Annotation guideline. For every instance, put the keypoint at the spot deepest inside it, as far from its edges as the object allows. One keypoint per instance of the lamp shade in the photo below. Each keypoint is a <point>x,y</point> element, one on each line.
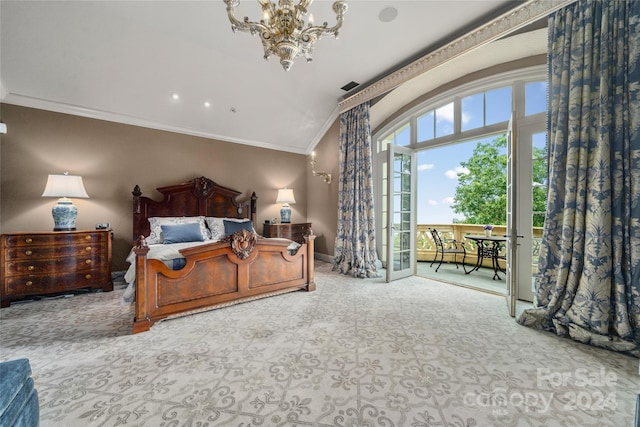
<point>65,212</point>
<point>285,195</point>
<point>65,186</point>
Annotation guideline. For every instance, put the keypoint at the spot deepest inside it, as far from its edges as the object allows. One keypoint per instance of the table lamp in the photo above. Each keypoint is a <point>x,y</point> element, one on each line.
<point>65,212</point>
<point>285,196</point>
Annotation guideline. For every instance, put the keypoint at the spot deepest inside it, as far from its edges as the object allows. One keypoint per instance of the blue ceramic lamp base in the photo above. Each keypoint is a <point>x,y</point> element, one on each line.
<point>285,214</point>
<point>64,215</point>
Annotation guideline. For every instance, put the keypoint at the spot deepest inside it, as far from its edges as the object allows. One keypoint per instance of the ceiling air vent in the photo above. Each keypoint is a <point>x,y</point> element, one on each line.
<point>349,86</point>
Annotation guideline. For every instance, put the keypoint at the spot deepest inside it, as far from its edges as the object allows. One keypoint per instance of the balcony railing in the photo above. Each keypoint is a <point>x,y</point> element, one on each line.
<point>426,248</point>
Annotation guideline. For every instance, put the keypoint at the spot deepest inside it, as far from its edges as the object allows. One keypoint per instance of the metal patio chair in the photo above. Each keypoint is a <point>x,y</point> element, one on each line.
<point>452,247</point>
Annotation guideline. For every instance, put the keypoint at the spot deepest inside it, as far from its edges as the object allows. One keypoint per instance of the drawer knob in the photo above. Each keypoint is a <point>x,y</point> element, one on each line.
<point>28,253</point>
<point>88,237</point>
<point>87,261</point>
<point>31,268</point>
<point>28,240</point>
<point>29,283</point>
<point>88,249</point>
<point>87,276</point>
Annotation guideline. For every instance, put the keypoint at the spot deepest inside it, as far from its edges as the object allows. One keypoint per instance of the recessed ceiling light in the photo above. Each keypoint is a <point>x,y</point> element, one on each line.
<point>175,96</point>
<point>388,14</point>
<point>207,104</point>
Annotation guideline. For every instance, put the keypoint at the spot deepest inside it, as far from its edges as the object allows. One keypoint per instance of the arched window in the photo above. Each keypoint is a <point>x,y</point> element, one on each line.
<point>466,112</point>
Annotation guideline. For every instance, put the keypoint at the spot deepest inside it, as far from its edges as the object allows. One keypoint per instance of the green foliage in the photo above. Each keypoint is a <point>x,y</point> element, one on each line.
<point>540,186</point>
<point>481,194</point>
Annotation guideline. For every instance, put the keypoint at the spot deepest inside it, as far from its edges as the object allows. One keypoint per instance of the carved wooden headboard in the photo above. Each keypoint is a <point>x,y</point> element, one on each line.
<point>200,196</point>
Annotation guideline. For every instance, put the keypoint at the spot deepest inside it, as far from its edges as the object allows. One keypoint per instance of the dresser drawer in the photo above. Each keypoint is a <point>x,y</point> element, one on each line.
<point>34,285</point>
<point>295,232</point>
<point>48,239</point>
<point>13,268</point>
<point>43,263</point>
<point>39,252</point>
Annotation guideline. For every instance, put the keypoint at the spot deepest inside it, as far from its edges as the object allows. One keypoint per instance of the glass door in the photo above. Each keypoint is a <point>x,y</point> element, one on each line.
<point>533,195</point>
<point>401,227</point>
<point>512,215</point>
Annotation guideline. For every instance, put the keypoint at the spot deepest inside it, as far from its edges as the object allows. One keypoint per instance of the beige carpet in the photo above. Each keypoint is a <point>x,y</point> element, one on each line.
<point>354,353</point>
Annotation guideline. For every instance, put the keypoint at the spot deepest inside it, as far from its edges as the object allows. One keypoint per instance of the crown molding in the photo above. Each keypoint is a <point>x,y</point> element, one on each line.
<point>494,29</point>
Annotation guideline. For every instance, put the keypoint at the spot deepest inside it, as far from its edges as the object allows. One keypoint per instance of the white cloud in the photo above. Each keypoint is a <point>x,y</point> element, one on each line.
<point>425,166</point>
<point>448,200</point>
<point>432,202</point>
<point>445,113</point>
<point>453,173</point>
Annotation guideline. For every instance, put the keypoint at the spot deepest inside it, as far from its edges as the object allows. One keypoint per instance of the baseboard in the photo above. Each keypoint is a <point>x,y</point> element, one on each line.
<point>323,257</point>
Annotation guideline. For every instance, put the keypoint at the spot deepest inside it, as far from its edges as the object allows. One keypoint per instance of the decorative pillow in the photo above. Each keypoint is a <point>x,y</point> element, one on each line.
<point>155,222</point>
<point>180,233</point>
<point>231,227</point>
<point>216,226</point>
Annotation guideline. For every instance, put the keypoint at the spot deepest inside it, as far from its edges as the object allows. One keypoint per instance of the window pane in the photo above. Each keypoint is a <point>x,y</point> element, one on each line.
<point>426,127</point>
<point>498,105</point>
<point>403,135</point>
<point>384,143</point>
<point>444,120</point>
<point>406,258</point>
<point>535,98</point>
<point>472,111</point>
<point>406,201</point>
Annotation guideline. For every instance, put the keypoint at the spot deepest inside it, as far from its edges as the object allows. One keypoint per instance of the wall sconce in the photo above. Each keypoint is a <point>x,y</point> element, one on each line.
<point>65,212</point>
<point>325,176</point>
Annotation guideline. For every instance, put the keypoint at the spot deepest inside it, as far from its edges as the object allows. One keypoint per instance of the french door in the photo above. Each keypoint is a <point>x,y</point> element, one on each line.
<point>401,218</point>
<point>512,216</point>
<point>532,140</point>
<point>522,256</point>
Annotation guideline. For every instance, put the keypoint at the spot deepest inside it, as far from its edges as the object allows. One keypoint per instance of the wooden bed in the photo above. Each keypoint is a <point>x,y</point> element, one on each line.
<point>242,268</point>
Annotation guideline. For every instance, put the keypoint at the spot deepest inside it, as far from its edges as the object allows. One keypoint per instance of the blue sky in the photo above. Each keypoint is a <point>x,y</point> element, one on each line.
<point>437,180</point>
<point>438,167</point>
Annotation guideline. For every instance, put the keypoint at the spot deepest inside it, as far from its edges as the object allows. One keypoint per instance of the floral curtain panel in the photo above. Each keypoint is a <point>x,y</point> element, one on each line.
<point>355,245</point>
<point>588,284</point>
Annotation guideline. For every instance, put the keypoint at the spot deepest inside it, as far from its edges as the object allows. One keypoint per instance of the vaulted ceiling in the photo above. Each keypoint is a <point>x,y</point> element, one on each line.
<point>123,60</point>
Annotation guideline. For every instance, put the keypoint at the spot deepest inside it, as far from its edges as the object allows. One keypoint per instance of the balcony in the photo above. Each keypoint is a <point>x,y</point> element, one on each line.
<point>482,278</point>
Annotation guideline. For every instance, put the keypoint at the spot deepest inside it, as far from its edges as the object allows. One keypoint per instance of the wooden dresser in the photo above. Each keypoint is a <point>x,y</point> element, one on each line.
<point>295,232</point>
<point>53,262</point>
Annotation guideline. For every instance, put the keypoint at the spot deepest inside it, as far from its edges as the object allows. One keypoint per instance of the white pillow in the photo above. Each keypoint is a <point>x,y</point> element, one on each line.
<point>156,223</point>
<point>216,226</point>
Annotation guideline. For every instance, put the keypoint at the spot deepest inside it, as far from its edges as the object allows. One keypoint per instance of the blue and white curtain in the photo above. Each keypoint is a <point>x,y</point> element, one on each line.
<point>588,284</point>
<point>355,245</point>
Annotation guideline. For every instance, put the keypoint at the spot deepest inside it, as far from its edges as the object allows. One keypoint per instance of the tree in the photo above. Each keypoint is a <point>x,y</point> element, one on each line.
<point>481,194</point>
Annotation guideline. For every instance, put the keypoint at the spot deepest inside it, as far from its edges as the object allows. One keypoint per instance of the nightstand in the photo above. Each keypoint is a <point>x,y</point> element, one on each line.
<point>53,262</point>
<point>295,232</point>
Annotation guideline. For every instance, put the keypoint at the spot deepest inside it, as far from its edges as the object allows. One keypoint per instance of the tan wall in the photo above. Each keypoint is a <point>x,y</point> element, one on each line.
<point>322,203</point>
<point>113,157</point>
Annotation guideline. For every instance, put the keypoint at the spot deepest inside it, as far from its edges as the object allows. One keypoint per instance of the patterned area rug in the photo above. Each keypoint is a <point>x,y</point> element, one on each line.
<point>354,353</point>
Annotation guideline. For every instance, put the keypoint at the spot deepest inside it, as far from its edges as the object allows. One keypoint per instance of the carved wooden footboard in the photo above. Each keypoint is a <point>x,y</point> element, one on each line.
<point>216,276</point>
<point>242,268</point>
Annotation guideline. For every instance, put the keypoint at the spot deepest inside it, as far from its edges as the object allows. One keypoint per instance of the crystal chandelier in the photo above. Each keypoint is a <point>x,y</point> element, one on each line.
<point>282,29</point>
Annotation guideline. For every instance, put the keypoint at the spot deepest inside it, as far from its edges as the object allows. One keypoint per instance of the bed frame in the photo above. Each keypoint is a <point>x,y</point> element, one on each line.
<point>242,268</point>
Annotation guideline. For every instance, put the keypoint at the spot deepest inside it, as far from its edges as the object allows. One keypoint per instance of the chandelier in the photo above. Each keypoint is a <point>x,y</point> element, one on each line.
<point>282,29</point>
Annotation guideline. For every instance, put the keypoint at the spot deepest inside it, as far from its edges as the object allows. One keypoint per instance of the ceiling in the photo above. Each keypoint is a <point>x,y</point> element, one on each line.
<point>122,60</point>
